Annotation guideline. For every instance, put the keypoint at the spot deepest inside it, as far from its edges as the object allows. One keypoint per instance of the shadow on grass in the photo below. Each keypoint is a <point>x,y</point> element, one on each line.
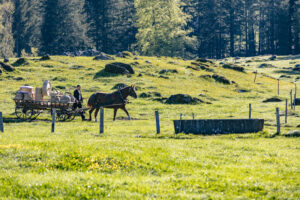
<point>8,120</point>
<point>103,73</point>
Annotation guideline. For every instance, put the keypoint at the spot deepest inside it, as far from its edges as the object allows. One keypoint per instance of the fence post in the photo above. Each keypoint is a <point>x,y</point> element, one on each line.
<point>294,101</point>
<point>250,110</point>
<point>278,120</point>
<point>101,120</point>
<point>180,123</point>
<point>53,120</point>
<point>157,122</point>
<point>278,87</point>
<point>255,76</point>
<point>193,116</point>
<point>286,110</point>
<point>1,123</point>
<point>291,93</point>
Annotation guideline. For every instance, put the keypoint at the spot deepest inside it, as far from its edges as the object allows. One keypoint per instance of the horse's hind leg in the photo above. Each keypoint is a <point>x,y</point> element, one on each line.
<point>125,110</point>
<point>96,113</point>
<point>91,111</point>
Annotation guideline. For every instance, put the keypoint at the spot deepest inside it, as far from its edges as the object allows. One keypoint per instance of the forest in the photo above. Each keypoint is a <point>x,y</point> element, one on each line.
<point>176,28</point>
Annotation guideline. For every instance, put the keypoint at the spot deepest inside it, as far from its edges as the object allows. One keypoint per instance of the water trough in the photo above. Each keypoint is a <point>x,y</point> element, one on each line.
<point>218,126</point>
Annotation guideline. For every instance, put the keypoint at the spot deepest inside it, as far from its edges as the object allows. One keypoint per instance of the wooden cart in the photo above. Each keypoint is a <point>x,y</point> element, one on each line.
<point>29,110</point>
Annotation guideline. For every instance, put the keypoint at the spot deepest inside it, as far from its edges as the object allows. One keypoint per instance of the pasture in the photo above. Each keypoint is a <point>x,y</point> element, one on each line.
<point>129,160</point>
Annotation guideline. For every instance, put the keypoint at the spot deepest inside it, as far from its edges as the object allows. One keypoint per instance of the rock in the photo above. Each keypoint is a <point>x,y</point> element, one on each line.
<point>165,71</point>
<point>205,76</point>
<point>135,58</point>
<point>19,79</point>
<point>203,66</point>
<point>20,61</point>
<point>45,57</point>
<point>294,133</point>
<point>237,58</point>
<point>285,76</point>
<point>77,67</point>
<point>140,75</point>
<point>5,60</point>
<point>127,54</point>
<point>0,71</point>
<point>144,95</point>
<point>221,79</point>
<point>221,63</point>
<point>272,58</point>
<point>60,87</point>
<point>297,101</point>
<point>60,79</point>
<point>89,53</point>
<point>296,68</point>
<point>265,65</point>
<point>119,55</point>
<point>273,99</point>
<point>242,91</point>
<point>7,67</point>
<point>234,67</point>
<point>298,126</point>
<point>103,56</point>
<point>165,77</point>
<point>193,68</point>
<point>182,99</point>
<point>119,68</point>
<point>147,61</point>
<point>119,85</point>
<point>203,60</point>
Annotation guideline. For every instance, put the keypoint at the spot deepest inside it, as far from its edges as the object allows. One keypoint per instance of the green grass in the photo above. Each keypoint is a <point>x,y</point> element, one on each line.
<point>129,161</point>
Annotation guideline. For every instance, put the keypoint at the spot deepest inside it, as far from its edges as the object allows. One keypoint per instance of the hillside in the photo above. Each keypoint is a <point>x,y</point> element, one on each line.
<point>129,161</point>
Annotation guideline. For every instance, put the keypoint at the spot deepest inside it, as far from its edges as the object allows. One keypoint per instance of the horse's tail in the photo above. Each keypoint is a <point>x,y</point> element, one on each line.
<point>91,101</point>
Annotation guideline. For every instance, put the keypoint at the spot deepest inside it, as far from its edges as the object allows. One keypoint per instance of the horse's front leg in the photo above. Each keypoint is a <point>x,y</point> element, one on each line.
<point>115,113</point>
<point>91,111</point>
<point>125,110</point>
<point>96,113</point>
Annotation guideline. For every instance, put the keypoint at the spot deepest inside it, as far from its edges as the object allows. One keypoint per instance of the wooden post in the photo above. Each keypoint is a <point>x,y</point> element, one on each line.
<point>255,76</point>
<point>53,120</point>
<point>1,123</point>
<point>180,116</point>
<point>101,120</point>
<point>193,116</point>
<point>295,90</point>
<point>250,110</point>
<point>291,93</point>
<point>286,110</point>
<point>157,122</point>
<point>278,120</point>
<point>278,88</point>
<point>294,101</point>
<point>180,122</point>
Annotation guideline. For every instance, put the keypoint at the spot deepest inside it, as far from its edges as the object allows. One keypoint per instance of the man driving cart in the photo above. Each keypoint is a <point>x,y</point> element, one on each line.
<point>78,101</point>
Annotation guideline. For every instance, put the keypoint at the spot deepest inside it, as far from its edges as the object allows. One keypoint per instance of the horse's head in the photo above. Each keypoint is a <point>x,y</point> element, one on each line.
<point>132,92</point>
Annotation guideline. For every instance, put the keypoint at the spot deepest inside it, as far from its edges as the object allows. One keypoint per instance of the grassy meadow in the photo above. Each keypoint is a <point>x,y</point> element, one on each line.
<point>129,161</point>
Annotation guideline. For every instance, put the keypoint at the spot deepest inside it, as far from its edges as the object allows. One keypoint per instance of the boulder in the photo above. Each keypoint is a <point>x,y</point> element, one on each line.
<point>234,67</point>
<point>7,67</point>
<point>272,58</point>
<point>5,60</point>
<point>20,61</point>
<point>273,99</point>
<point>45,57</point>
<point>203,60</point>
<point>164,77</point>
<point>294,133</point>
<point>119,85</point>
<point>119,68</point>
<point>265,65</point>
<point>165,71</point>
<point>147,61</point>
<point>221,79</point>
<point>144,95</point>
<point>285,76</point>
<point>182,99</point>
<point>103,56</point>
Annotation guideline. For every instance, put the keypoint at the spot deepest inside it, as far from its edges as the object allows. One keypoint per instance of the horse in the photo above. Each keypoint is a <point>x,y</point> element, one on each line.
<point>116,100</point>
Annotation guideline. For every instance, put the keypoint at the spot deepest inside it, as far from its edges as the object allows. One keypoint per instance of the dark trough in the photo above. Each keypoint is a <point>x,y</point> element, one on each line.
<point>218,126</point>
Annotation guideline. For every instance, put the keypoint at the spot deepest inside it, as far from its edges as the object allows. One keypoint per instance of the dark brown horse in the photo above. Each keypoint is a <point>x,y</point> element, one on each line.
<point>113,100</point>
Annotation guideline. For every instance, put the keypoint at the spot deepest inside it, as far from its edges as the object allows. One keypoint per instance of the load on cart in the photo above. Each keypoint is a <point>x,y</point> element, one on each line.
<point>31,102</point>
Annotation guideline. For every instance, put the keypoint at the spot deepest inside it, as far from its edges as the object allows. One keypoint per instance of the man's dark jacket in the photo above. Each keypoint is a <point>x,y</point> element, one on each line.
<point>77,96</point>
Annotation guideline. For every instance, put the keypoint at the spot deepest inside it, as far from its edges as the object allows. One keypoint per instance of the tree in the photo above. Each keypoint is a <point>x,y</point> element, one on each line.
<point>161,28</point>
<point>6,38</point>
<point>63,27</point>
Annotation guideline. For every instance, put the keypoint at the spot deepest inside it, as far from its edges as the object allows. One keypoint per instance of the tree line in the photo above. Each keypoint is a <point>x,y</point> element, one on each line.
<point>182,28</point>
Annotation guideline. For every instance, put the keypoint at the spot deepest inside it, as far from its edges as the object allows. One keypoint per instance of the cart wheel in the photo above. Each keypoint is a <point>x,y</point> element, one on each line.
<point>71,117</point>
<point>35,114</point>
<point>61,116</point>
<point>24,113</point>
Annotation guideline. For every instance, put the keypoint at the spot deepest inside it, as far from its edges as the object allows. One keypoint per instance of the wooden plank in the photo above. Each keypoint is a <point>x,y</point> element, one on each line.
<point>157,122</point>
<point>1,123</point>
<point>101,120</point>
